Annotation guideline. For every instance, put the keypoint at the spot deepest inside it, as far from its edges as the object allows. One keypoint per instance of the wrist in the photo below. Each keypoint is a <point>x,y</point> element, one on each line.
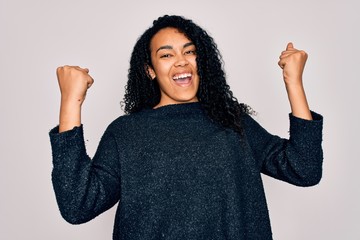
<point>293,81</point>
<point>71,101</point>
<point>70,115</point>
<point>294,86</point>
<point>298,102</point>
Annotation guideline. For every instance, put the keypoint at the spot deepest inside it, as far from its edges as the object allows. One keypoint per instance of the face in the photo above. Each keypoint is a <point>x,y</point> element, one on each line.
<point>173,57</point>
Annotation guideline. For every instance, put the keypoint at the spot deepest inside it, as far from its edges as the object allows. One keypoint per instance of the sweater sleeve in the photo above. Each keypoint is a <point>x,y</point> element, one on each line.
<point>297,160</point>
<point>84,188</point>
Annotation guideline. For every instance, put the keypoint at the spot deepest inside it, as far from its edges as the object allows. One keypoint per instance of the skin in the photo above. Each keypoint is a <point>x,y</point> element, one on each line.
<point>292,61</point>
<point>179,58</point>
<point>173,55</point>
<point>73,82</point>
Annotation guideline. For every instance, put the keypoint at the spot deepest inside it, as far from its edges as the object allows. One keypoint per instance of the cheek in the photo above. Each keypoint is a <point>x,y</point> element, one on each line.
<point>193,62</point>
<point>162,69</point>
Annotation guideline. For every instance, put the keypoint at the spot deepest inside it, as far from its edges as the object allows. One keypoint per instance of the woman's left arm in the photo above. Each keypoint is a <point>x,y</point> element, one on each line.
<point>297,160</point>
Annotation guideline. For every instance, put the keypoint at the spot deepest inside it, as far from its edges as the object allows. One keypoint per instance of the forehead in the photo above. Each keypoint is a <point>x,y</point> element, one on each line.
<point>168,36</point>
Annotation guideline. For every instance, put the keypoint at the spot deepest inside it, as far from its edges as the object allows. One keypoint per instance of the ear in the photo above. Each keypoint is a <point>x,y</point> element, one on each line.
<point>150,72</point>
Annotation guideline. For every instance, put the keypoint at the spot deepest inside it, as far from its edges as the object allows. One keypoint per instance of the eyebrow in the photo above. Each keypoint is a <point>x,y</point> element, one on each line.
<point>170,47</point>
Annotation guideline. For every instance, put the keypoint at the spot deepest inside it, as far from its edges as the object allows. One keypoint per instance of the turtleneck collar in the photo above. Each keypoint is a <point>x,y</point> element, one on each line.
<point>181,109</point>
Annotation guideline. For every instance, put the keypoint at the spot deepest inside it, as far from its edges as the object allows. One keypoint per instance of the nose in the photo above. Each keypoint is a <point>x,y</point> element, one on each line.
<point>181,61</point>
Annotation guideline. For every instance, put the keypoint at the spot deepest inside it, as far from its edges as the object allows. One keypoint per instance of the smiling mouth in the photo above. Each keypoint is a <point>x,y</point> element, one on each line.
<point>183,79</point>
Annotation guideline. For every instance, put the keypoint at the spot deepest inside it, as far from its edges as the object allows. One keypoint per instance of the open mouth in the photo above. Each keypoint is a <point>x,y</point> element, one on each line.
<point>183,79</point>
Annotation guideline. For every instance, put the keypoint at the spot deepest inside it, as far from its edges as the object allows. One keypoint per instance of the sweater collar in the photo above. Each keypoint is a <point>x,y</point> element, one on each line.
<point>182,109</point>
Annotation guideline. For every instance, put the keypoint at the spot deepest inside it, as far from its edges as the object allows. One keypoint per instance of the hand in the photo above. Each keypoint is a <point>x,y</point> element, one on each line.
<point>73,82</point>
<point>292,61</point>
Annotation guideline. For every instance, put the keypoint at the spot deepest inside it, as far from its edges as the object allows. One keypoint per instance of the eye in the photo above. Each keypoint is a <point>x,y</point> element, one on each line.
<point>167,55</point>
<point>190,52</point>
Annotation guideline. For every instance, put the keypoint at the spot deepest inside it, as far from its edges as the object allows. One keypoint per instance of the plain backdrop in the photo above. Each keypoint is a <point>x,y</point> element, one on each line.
<point>37,36</point>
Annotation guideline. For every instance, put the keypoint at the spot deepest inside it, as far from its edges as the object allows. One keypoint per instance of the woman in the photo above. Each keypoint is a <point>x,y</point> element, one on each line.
<point>185,161</point>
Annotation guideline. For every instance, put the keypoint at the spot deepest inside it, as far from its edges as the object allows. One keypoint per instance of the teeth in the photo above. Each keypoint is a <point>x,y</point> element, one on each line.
<point>183,75</point>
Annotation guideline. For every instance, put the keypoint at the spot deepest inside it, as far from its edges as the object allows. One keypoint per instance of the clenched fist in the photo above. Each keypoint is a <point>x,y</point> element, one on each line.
<point>292,61</point>
<point>73,82</point>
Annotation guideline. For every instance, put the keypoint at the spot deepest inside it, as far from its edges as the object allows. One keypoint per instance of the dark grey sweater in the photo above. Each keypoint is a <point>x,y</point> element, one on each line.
<point>178,175</point>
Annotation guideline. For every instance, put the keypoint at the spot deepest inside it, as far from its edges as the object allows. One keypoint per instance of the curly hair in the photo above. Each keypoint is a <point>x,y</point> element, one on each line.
<point>214,93</point>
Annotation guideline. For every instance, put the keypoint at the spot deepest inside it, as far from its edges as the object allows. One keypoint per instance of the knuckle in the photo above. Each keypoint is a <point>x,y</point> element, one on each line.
<point>303,52</point>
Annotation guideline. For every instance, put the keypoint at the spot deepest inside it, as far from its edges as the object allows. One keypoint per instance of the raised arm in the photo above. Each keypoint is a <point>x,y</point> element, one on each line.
<point>292,61</point>
<point>73,82</point>
<point>297,160</point>
<point>84,188</point>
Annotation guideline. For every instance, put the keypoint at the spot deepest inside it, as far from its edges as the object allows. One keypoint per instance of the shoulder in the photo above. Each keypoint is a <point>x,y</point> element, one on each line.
<point>249,122</point>
<point>128,122</point>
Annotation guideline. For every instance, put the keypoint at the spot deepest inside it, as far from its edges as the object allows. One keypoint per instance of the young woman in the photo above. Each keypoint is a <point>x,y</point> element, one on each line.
<point>185,162</point>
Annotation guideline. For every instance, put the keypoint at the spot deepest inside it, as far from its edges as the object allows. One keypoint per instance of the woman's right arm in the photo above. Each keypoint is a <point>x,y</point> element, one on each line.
<point>84,187</point>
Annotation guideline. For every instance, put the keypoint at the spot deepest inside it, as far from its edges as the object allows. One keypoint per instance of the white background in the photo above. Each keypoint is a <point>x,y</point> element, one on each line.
<point>37,36</point>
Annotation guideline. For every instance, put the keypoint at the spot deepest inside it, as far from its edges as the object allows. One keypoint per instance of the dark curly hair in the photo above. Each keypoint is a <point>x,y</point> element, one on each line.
<point>214,93</point>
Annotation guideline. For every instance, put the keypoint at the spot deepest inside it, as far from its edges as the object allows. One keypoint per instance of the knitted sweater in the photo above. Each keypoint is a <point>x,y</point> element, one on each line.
<point>178,175</point>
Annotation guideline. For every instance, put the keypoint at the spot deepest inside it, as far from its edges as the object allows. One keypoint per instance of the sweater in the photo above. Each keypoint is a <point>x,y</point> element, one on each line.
<point>176,174</point>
